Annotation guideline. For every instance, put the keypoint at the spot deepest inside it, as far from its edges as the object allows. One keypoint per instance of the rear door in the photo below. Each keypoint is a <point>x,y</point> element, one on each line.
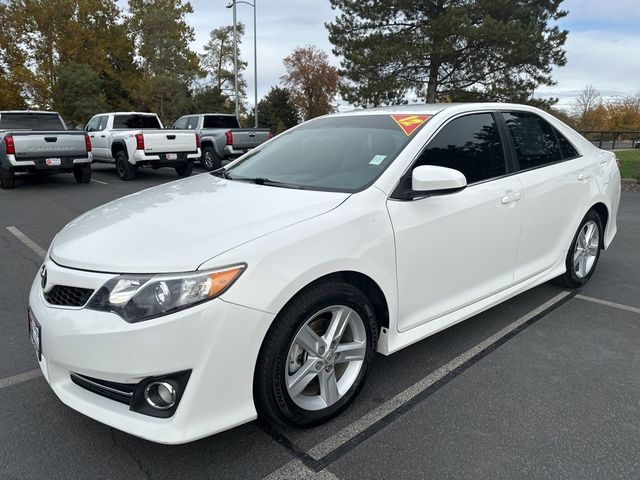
<point>453,250</point>
<point>556,184</point>
<point>99,142</point>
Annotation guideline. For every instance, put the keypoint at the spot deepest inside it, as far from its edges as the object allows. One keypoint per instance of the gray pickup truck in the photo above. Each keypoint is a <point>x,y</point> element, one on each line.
<point>221,137</point>
<point>39,142</point>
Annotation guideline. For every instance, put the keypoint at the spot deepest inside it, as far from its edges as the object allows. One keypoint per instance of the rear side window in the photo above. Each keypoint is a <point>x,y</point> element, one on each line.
<point>534,139</point>
<point>220,121</point>
<point>31,121</point>
<point>469,144</point>
<point>568,150</point>
<point>136,121</point>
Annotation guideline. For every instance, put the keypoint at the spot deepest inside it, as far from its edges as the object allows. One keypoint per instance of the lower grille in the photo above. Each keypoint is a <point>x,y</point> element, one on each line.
<point>65,296</point>
<point>120,392</point>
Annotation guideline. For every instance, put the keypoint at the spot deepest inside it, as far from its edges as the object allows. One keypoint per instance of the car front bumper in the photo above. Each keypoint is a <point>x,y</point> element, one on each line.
<point>218,341</point>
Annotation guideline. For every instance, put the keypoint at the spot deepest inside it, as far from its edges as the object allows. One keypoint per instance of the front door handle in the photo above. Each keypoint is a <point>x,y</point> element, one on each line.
<point>511,197</point>
<point>584,176</point>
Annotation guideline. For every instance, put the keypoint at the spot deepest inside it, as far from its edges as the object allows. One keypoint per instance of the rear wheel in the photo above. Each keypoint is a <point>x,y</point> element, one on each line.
<point>584,252</point>
<point>7,179</point>
<point>126,171</point>
<point>82,172</point>
<point>185,170</point>
<point>316,355</point>
<point>210,160</point>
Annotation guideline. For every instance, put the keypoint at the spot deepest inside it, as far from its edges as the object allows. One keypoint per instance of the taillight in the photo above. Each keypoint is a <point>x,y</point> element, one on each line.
<point>270,134</point>
<point>197,140</point>
<point>11,148</point>
<point>139,141</point>
<point>87,142</point>
<point>229,136</point>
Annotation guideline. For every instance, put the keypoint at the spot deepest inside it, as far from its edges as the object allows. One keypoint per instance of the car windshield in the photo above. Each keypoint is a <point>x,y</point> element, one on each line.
<point>31,121</point>
<point>136,121</point>
<point>343,154</point>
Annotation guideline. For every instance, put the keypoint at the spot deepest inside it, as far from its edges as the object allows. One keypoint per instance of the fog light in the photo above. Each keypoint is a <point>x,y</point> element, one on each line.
<point>160,395</point>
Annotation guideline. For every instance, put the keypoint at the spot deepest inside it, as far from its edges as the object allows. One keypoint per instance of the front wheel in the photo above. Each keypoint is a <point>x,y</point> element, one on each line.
<point>316,355</point>
<point>82,172</point>
<point>584,252</point>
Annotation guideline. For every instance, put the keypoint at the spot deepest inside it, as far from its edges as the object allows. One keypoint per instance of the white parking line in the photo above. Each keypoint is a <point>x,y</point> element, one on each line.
<point>609,304</point>
<point>297,470</point>
<point>23,377</point>
<point>340,438</point>
<point>98,181</point>
<point>33,246</point>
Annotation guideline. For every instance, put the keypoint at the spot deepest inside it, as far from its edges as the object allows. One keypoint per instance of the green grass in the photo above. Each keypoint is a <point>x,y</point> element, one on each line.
<point>629,163</point>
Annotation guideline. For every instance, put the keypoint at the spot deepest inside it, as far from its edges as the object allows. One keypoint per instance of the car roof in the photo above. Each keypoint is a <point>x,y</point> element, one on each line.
<point>433,108</point>
<point>29,111</point>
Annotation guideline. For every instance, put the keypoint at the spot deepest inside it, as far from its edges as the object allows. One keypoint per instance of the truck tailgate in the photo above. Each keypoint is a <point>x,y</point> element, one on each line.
<point>245,139</point>
<point>30,145</point>
<point>169,141</point>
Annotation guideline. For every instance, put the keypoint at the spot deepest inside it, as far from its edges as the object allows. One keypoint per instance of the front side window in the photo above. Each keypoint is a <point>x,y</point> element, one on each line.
<point>334,153</point>
<point>469,144</point>
<point>103,122</point>
<point>93,124</point>
<point>193,123</point>
<point>534,139</point>
<point>181,123</point>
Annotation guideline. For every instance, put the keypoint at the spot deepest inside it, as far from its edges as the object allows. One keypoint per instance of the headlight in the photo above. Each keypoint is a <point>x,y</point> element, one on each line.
<point>142,297</point>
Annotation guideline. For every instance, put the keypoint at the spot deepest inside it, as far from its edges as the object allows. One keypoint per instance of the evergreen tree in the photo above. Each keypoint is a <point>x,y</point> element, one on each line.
<point>276,111</point>
<point>446,49</point>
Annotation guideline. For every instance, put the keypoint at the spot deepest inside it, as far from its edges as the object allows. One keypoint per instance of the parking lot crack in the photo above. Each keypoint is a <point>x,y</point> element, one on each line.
<point>133,457</point>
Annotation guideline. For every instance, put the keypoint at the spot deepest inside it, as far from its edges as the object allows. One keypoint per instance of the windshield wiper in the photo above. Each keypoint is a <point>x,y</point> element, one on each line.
<point>222,173</point>
<point>268,182</point>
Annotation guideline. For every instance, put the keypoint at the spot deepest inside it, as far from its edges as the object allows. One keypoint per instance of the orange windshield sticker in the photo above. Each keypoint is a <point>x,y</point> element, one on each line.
<point>409,123</point>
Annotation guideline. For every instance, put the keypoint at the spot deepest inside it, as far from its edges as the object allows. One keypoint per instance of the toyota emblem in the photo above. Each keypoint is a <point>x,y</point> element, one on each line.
<point>43,276</point>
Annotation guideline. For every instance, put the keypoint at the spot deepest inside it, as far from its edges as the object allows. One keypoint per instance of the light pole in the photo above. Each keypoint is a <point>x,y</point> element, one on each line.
<point>255,57</point>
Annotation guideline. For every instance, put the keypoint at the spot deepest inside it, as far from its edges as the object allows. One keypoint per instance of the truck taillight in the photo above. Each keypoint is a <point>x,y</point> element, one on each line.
<point>197,140</point>
<point>139,141</point>
<point>270,134</point>
<point>87,142</point>
<point>229,136</point>
<point>11,148</point>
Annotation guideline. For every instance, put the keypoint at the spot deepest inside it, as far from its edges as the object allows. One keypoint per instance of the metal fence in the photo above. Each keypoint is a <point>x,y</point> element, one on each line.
<point>626,146</point>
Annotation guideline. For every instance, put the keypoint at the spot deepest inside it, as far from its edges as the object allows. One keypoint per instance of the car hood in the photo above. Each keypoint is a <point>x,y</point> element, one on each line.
<point>177,226</point>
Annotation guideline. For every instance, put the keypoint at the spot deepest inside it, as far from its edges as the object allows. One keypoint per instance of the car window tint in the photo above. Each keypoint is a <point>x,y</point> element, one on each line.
<point>92,126</point>
<point>181,123</point>
<point>568,150</point>
<point>469,144</point>
<point>193,123</point>
<point>220,121</point>
<point>534,139</point>
<point>136,121</point>
<point>38,121</point>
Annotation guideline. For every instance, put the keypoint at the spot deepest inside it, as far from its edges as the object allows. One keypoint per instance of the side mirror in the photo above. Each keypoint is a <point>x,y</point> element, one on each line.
<point>437,180</point>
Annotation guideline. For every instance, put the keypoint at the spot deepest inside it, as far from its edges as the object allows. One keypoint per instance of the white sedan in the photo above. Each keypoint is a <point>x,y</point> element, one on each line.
<point>266,287</point>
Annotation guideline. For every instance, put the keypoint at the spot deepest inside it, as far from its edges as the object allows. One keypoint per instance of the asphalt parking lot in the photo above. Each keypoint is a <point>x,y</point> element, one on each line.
<point>546,385</point>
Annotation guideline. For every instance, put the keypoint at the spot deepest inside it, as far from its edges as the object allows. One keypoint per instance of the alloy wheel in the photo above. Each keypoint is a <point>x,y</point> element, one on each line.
<point>586,249</point>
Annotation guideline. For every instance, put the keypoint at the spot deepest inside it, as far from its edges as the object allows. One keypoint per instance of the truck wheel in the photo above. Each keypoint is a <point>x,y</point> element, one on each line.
<point>210,160</point>
<point>82,172</point>
<point>185,170</point>
<point>7,179</point>
<point>126,171</point>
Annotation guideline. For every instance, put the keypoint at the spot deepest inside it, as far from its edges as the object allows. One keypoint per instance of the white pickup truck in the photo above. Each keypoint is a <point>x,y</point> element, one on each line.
<point>132,140</point>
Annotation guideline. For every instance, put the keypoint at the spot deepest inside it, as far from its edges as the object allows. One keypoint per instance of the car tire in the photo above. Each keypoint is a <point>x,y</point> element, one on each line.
<point>7,179</point>
<point>584,253</point>
<point>278,397</point>
<point>185,170</point>
<point>125,170</point>
<point>82,173</point>
<point>210,159</point>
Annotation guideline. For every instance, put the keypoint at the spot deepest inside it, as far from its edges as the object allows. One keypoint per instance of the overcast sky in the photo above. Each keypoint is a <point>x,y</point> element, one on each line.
<point>603,47</point>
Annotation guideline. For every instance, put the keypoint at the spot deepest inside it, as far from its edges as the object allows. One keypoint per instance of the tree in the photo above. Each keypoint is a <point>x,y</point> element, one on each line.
<point>483,49</point>
<point>78,93</point>
<point>276,111</point>
<point>585,105</point>
<point>43,35</point>
<point>313,82</point>
<point>210,99</point>
<point>218,61</point>
<point>161,36</point>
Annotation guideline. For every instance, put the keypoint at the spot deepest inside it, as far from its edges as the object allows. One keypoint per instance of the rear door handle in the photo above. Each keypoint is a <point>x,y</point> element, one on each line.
<point>584,176</point>
<point>511,197</point>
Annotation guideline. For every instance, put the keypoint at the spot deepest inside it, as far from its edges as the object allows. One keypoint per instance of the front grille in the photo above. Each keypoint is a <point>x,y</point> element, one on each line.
<point>65,296</point>
<point>120,392</point>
